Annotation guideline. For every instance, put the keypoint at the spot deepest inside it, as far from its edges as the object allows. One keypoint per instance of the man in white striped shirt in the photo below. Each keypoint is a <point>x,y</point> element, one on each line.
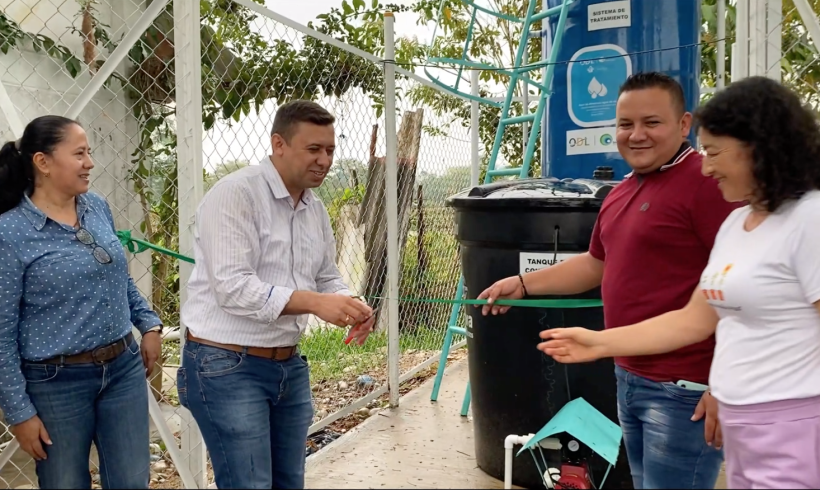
<point>265,259</point>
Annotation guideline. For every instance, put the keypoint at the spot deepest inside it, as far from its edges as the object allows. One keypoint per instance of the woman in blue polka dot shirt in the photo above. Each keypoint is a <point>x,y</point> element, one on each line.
<point>71,372</point>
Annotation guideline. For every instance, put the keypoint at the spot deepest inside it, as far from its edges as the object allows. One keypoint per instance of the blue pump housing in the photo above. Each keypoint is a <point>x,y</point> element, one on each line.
<point>605,41</point>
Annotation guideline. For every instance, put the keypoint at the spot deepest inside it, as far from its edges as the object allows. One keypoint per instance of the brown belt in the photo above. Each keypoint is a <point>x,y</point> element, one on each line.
<point>99,356</point>
<point>271,353</point>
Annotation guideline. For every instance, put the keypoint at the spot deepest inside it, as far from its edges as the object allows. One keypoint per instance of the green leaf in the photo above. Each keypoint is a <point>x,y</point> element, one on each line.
<point>358,4</point>
<point>348,10</point>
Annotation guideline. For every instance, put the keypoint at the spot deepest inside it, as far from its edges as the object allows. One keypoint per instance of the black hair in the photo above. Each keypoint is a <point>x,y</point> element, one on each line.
<point>783,134</point>
<point>294,112</point>
<point>16,157</point>
<point>654,79</point>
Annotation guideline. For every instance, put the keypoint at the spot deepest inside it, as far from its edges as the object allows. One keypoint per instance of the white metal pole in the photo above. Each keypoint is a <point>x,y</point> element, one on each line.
<point>740,53</point>
<point>546,43</point>
<point>757,38</point>
<point>391,191</point>
<point>809,20</point>
<point>721,45</point>
<point>475,121</point>
<point>12,116</point>
<point>774,39</point>
<point>119,54</point>
<point>17,127</point>
<point>170,442</point>
<point>525,108</point>
<point>188,61</point>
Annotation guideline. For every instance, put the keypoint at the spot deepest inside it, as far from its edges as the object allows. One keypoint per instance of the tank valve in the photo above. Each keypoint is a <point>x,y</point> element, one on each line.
<point>603,173</point>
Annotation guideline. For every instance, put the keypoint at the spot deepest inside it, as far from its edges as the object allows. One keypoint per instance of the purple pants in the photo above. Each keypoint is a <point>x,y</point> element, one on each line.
<point>772,445</point>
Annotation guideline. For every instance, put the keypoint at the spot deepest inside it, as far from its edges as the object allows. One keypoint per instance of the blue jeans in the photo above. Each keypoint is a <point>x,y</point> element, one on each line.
<point>254,414</point>
<point>664,447</point>
<point>81,403</point>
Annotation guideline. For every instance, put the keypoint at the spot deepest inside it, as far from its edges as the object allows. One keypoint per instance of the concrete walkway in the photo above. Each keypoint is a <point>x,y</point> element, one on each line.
<point>421,444</point>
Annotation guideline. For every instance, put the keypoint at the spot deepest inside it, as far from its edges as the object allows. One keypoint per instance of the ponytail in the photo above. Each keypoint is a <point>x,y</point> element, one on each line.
<point>16,157</point>
<point>16,176</point>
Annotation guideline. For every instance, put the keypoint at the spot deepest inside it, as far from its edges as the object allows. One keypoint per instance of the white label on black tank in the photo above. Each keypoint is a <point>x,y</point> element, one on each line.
<point>533,261</point>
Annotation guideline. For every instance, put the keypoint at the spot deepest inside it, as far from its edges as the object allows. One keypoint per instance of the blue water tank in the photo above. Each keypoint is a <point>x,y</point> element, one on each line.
<point>603,43</point>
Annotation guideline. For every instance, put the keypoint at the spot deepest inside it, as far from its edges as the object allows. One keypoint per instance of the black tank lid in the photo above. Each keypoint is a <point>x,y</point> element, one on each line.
<point>534,193</point>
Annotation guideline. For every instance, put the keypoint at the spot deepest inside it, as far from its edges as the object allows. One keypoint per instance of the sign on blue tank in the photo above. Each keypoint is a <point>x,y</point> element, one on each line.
<point>593,77</point>
<point>604,42</point>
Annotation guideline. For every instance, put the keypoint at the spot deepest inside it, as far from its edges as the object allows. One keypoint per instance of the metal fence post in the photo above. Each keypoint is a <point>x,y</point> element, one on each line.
<point>475,137</point>
<point>391,190</point>
<point>190,184</point>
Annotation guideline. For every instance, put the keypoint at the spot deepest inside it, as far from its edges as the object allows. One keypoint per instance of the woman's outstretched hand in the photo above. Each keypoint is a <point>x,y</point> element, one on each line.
<point>572,345</point>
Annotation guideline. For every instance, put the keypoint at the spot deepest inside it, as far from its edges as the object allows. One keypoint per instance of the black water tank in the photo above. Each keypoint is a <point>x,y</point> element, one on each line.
<point>512,227</point>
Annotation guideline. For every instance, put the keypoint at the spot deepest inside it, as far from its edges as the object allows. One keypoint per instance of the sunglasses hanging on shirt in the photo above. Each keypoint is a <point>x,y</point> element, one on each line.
<point>86,238</point>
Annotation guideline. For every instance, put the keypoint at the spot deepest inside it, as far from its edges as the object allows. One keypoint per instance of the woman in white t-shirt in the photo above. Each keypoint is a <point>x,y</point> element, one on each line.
<point>759,294</point>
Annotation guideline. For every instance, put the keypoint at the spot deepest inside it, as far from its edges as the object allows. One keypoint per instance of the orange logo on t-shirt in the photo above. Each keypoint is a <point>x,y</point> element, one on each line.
<point>712,292</point>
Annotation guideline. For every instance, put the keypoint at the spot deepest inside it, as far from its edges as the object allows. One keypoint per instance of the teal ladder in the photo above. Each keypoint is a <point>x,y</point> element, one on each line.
<point>519,72</point>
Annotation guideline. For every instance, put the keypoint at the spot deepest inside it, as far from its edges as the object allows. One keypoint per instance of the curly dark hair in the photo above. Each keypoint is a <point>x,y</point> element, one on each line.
<point>783,134</point>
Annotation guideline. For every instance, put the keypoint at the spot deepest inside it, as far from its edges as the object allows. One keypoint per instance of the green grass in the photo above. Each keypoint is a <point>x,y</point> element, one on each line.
<point>329,357</point>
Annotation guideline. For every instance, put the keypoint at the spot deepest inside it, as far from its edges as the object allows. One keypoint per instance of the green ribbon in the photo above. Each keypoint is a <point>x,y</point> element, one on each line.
<point>526,303</point>
<point>135,246</point>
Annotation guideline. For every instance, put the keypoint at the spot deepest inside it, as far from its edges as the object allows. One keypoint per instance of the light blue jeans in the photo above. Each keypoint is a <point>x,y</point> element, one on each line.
<point>254,415</point>
<point>81,403</point>
<point>664,447</point>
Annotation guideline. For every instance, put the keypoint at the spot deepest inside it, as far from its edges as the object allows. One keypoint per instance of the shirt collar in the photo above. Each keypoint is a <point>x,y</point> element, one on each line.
<point>683,153</point>
<point>277,185</point>
<point>39,218</point>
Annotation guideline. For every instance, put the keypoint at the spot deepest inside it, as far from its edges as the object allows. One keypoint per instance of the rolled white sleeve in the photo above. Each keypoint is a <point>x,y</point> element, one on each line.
<point>329,279</point>
<point>229,242</point>
<point>806,251</point>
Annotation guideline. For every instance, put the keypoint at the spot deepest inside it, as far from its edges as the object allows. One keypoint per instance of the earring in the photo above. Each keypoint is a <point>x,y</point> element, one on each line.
<point>47,174</point>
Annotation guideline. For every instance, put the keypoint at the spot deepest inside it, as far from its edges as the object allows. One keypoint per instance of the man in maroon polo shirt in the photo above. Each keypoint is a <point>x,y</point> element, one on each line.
<point>649,247</point>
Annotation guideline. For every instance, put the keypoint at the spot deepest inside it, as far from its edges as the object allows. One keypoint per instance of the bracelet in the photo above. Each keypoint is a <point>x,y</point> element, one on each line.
<point>521,278</point>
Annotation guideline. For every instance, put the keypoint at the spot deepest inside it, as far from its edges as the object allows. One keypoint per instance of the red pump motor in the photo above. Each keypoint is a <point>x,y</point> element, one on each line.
<point>574,469</point>
<point>574,476</point>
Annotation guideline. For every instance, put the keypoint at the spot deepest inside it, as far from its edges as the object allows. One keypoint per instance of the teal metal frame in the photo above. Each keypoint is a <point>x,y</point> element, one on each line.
<point>517,73</point>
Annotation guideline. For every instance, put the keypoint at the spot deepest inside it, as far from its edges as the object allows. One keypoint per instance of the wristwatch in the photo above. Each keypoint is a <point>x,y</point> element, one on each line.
<point>155,328</point>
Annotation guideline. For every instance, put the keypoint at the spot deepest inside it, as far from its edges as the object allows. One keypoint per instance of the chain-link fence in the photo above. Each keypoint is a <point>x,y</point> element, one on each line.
<point>250,63</point>
<point>773,38</point>
<point>53,53</point>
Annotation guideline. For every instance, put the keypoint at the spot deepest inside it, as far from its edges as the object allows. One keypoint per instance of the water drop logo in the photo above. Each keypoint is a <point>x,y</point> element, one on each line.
<point>596,89</point>
<point>606,139</point>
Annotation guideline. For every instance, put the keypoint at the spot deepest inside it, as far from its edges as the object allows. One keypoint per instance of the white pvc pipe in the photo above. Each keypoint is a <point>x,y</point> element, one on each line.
<point>392,209</point>
<point>510,442</point>
<point>513,440</point>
